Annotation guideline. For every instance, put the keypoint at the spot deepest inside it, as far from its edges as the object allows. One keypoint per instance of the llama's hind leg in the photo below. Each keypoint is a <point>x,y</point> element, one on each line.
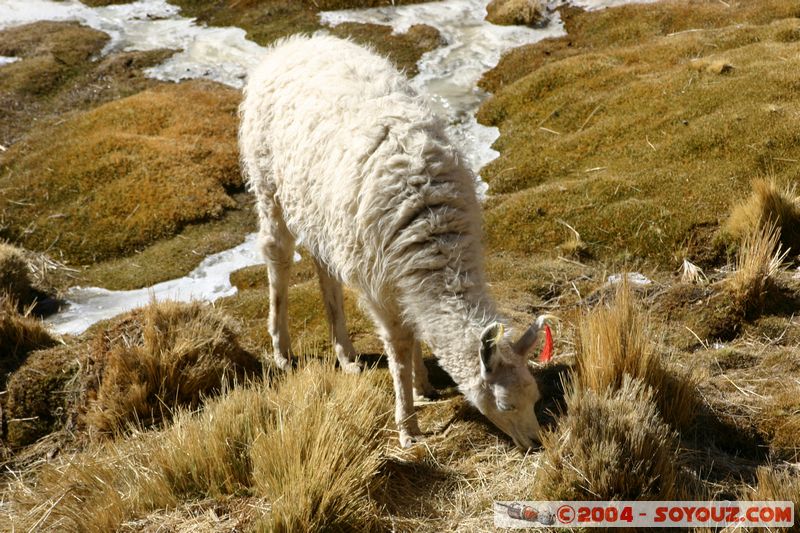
<point>422,386</point>
<point>277,244</point>
<point>334,307</point>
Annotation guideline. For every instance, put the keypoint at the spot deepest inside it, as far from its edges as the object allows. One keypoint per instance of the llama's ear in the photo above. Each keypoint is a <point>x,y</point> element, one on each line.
<point>490,336</point>
<point>528,339</point>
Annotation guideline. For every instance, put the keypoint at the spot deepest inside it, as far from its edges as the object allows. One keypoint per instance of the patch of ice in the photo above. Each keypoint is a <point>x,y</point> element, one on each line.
<point>634,278</point>
<point>220,54</point>
<point>209,281</point>
<point>602,4</point>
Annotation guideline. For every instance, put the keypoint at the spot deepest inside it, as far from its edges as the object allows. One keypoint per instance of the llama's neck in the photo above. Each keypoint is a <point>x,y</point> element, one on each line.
<point>450,322</point>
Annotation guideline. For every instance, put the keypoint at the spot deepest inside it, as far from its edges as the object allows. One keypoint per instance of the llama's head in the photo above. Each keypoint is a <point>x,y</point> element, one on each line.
<point>508,392</point>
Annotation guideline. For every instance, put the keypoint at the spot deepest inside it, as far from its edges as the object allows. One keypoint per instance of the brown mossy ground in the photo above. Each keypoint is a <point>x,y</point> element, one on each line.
<point>624,131</point>
<point>307,321</point>
<point>175,256</point>
<point>404,49</point>
<point>267,20</point>
<point>510,12</point>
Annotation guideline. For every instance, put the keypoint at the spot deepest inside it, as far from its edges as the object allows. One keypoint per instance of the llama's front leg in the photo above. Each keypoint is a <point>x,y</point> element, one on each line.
<point>398,341</point>
<point>278,248</point>
<point>334,307</point>
<point>400,350</point>
<point>422,386</point>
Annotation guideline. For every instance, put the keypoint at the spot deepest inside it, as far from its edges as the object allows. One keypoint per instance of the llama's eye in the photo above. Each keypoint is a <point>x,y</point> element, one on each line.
<point>506,407</point>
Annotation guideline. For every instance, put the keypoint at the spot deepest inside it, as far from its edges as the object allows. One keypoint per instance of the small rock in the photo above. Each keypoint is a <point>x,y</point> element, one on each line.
<point>515,12</point>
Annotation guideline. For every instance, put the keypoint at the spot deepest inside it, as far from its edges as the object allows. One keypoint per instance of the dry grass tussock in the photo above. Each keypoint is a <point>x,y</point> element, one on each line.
<point>15,275</point>
<point>19,333</point>
<point>615,342</point>
<point>776,484</point>
<point>164,355</point>
<point>612,444</point>
<point>759,260</point>
<point>768,206</point>
<point>310,446</point>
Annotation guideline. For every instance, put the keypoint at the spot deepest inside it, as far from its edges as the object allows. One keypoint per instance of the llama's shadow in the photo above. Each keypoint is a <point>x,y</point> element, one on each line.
<point>438,377</point>
<point>551,380</point>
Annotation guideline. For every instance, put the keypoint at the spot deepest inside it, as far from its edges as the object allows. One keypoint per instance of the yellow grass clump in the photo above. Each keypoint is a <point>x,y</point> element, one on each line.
<point>759,260</point>
<point>774,484</point>
<point>611,444</point>
<point>19,334</point>
<point>15,275</point>
<point>615,342</point>
<point>309,447</point>
<point>165,355</point>
<point>768,205</point>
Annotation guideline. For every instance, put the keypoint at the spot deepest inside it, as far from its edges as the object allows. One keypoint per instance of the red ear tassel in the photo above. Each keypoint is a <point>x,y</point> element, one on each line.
<point>547,349</point>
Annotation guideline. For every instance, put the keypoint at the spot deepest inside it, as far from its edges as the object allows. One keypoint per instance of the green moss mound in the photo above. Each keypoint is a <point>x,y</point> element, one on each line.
<point>404,49</point>
<point>107,182</point>
<point>40,392</point>
<point>641,129</point>
<point>60,69</point>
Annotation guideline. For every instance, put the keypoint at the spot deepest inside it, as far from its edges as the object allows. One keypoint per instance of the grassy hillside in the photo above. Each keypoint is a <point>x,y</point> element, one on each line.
<point>642,128</point>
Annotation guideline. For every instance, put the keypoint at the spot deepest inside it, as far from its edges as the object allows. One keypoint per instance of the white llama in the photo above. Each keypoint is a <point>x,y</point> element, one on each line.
<point>343,154</point>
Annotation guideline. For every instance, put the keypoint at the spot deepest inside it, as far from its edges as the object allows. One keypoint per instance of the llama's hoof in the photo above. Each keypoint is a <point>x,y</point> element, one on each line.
<point>283,363</point>
<point>428,393</point>
<point>407,440</point>
<point>350,367</point>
